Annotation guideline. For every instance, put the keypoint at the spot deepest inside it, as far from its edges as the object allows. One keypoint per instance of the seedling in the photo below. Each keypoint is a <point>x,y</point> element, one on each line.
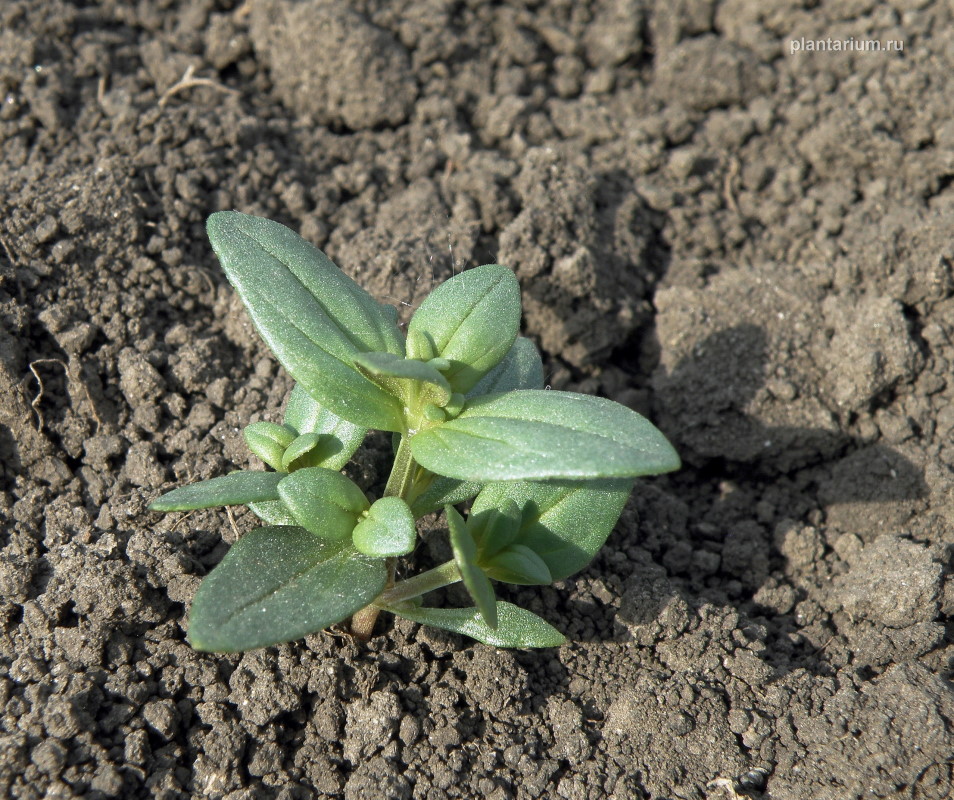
<point>462,393</point>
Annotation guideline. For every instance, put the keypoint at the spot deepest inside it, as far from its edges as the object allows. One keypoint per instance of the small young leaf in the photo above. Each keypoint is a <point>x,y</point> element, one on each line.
<point>392,366</point>
<point>521,368</point>
<point>323,501</point>
<point>471,320</point>
<point>340,438</point>
<point>465,554</point>
<point>301,452</point>
<point>272,512</point>
<point>433,413</point>
<point>388,530</point>
<point>563,522</point>
<point>406,378</point>
<point>279,584</point>
<point>455,405</point>
<point>237,488</point>
<point>314,318</point>
<point>495,528</point>
<point>268,441</point>
<point>518,564</point>
<point>516,627</point>
<point>528,435</point>
<point>420,346</point>
<point>442,492</point>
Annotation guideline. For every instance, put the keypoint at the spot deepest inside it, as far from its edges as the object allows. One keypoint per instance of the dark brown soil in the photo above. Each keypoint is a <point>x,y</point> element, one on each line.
<point>750,245</point>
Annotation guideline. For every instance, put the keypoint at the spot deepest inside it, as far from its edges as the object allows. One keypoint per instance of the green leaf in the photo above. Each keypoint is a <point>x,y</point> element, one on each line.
<point>268,441</point>
<point>563,522</point>
<point>465,555</point>
<point>388,530</point>
<point>495,528</point>
<point>300,453</point>
<point>518,564</point>
<point>442,492</point>
<point>237,488</point>
<point>471,320</point>
<point>279,584</point>
<point>532,434</point>
<point>273,512</point>
<point>323,501</point>
<point>406,378</point>
<point>516,627</point>
<point>303,412</point>
<point>521,368</point>
<point>340,438</point>
<point>314,318</point>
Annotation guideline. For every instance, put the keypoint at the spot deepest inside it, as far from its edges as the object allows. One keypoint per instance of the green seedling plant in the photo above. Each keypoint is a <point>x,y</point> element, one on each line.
<point>548,472</point>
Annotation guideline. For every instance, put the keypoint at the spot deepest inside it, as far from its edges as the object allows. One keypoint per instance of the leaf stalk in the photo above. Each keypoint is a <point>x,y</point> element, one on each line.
<point>399,484</point>
<point>436,578</point>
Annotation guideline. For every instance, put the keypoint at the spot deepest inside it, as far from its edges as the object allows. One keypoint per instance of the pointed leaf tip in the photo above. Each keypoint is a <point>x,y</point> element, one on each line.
<point>516,627</point>
<point>236,488</point>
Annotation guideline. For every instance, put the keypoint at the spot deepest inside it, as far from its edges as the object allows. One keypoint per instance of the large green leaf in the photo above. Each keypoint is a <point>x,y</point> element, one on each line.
<point>465,555</point>
<point>533,434</point>
<point>521,368</point>
<point>471,320</point>
<point>516,627</point>
<point>279,584</point>
<point>237,488</point>
<point>323,501</point>
<point>314,318</point>
<point>339,438</point>
<point>563,522</point>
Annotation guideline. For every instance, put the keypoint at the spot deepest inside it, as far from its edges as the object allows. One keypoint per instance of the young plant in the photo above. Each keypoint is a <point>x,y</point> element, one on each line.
<point>548,471</point>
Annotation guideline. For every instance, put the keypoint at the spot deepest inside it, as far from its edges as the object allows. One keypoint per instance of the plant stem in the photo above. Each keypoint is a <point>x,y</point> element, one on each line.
<point>402,471</point>
<point>399,484</point>
<point>444,575</point>
<point>362,623</point>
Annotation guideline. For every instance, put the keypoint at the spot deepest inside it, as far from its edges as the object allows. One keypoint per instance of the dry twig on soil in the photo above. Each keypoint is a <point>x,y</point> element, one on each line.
<point>187,81</point>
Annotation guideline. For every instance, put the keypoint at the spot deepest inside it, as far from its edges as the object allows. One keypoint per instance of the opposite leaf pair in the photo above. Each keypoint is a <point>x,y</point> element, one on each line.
<point>462,394</point>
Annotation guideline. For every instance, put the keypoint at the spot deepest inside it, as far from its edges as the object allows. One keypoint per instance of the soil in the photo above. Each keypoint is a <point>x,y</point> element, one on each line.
<point>750,245</point>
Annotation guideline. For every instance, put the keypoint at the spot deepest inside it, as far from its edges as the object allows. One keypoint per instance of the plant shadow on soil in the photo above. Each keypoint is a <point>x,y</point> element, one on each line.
<point>663,595</point>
